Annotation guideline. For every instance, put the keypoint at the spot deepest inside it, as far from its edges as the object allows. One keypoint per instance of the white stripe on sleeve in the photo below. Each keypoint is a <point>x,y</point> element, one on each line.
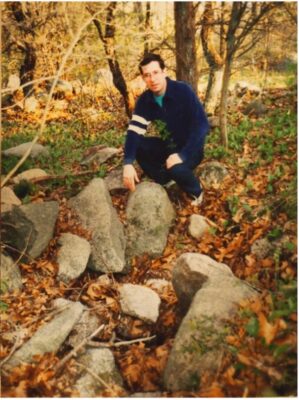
<point>137,129</point>
<point>142,120</point>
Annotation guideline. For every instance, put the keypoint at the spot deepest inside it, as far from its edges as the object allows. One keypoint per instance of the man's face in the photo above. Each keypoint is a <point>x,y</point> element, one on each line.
<point>154,78</point>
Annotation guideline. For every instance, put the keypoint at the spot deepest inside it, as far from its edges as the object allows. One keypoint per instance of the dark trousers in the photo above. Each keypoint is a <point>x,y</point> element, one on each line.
<point>151,155</point>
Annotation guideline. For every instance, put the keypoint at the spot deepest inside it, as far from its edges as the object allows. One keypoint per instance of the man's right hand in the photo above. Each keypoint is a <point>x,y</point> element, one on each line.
<point>130,177</point>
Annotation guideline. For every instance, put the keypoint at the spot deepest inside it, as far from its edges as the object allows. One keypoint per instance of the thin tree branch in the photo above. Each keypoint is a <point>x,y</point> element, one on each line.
<point>77,348</point>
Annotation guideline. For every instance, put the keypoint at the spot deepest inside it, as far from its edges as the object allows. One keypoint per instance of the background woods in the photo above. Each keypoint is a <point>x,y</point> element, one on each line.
<point>70,80</point>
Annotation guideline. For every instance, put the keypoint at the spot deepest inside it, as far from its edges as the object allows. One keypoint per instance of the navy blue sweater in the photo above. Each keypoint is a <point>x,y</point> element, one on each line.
<point>182,113</point>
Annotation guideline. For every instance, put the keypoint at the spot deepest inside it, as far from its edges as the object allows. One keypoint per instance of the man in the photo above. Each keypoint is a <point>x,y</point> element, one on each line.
<point>184,125</point>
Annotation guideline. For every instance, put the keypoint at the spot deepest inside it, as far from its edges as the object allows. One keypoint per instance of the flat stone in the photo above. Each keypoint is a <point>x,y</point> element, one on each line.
<point>72,256</point>
<point>140,301</point>
<point>99,155</point>
<point>18,151</point>
<point>49,337</point>
<point>29,175</point>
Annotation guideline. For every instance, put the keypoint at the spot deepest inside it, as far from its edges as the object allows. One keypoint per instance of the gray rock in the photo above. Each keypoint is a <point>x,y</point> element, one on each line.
<point>96,212</point>
<point>114,180</point>
<point>72,256</point>
<point>31,104</point>
<point>99,154</point>
<point>159,285</point>
<point>139,301</point>
<point>30,227</point>
<point>214,121</point>
<point>198,345</point>
<point>212,174</point>
<point>149,217</point>
<point>49,337</point>
<point>255,108</point>
<point>86,325</point>
<point>243,87</point>
<point>192,271</point>
<point>18,151</point>
<point>29,175</point>
<point>261,248</point>
<point>10,274</point>
<point>101,363</point>
<point>198,226</point>
<point>9,198</point>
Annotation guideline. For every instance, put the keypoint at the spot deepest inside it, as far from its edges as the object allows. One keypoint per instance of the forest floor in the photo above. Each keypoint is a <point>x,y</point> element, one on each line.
<point>258,199</point>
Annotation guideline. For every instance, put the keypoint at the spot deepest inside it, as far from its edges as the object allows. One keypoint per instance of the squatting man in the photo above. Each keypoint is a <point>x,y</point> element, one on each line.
<point>175,155</point>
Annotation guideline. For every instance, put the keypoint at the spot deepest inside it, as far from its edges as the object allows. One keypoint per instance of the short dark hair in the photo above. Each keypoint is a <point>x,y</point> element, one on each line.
<point>149,57</point>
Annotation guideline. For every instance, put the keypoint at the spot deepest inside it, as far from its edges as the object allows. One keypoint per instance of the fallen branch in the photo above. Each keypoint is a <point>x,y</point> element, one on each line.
<point>77,348</point>
<point>123,343</point>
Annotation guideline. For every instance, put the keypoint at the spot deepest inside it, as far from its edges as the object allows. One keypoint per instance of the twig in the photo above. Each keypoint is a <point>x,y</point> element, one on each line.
<point>124,343</point>
<point>77,348</point>
<point>98,378</point>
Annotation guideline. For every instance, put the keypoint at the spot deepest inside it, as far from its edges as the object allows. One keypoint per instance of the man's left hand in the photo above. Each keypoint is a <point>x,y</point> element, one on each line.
<point>172,160</point>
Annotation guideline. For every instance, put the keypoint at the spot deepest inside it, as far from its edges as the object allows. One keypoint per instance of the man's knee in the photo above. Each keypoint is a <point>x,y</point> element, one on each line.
<point>179,171</point>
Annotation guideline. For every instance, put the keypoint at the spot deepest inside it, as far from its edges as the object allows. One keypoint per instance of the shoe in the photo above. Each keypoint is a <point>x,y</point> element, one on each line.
<point>197,200</point>
<point>169,184</point>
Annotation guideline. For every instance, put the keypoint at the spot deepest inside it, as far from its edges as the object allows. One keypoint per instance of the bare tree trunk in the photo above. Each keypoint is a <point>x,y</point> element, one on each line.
<point>108,40</point>
<point>27,69</point>
<point>223,103</point>
<point>214,59</point>
<point>186,63</point>
<point>147,28</point>
<point>213,92</point>
<point>28,65</point>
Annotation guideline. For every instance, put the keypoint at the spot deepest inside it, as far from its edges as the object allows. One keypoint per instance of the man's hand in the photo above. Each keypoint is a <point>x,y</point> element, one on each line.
<point>172,160</point>
<point>130,177</point>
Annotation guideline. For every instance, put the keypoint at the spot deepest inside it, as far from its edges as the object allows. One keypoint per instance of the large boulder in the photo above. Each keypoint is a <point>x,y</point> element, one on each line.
<point>191,271</point>
<point>30,227</point>
<point>104,372</point>
<point>10,274</point>
<point>149,217</point>
<point>18,151</point>
<point>198,345</point>
<point>72,257</point>
<point>49,337</point>
<point>140,302</point>
<point>96,212</point>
